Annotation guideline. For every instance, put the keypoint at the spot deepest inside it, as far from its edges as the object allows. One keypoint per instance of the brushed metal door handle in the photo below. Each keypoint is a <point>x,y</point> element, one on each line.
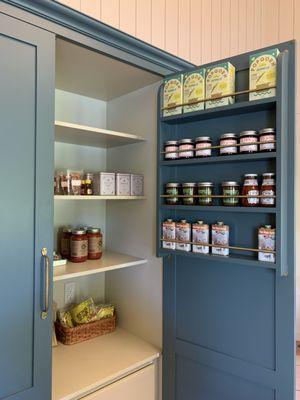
<point>46,285</point>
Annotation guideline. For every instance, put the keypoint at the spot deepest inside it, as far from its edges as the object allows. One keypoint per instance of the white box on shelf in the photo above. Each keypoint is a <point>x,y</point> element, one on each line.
<point>104,184</point>
<point>122,184</point>
<point>136,185</point>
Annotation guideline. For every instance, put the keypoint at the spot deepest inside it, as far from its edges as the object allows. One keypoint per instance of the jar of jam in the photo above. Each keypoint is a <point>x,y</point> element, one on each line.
<point>268,188</point>
<point>94,236</point>
<point>65,242</point>
<point>230,141</point>
<point>171,148</point>
<point>186,148</point>
<point>230,189</point>
<point>79,246</point>
<point>172,189</point>
<point>249,140</point>
<point>203,146</point>
<point>189,189</point>
<point>267,138</point>
<point>250,188</point>
<point>205,189</point>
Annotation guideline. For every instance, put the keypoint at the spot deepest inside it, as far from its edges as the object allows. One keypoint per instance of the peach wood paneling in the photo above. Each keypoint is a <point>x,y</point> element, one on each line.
<point>172,26</point>
<point>110,12</point>
<point>195,32</point>
<point>72,3</point>
<point>143,20</point>
<point>91,8</point>
<point>128,16</point>
<point>206,30</point>
<point>216,16</point>
<point>184,22</point>
<point>158,23</point>
<point>225,28</point>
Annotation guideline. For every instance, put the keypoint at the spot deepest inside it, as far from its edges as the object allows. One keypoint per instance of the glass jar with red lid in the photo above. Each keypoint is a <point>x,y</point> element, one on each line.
<point>79,246</point>
<point>94,243</point>
<point>65,242</point>
<point>268,188</point>
<point>250,188</point>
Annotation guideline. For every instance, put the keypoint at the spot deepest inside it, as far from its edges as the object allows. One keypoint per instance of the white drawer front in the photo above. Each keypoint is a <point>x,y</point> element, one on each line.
<point>137,386</point>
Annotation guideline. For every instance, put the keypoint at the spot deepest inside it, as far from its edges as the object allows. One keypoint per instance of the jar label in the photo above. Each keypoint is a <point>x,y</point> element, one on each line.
<point>95,245</point>
<point>205,152</point>
<point>79,248</point>
<point>253,200</point>
<point>268,200</point>
<point>186,154</point>
<point>265,145</point>
<point>250,182</point>
<point>169,149</point>
<point>268,182</point>
<point>249,147</point>
<point>230,192</point>
<point>228,142</point>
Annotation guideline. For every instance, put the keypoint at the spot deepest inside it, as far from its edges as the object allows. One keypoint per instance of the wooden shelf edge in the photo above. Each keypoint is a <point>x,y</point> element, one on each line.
<point>124,135</point>
<point>77,270</point>
<point>62,197</point>
<point>259,210</point>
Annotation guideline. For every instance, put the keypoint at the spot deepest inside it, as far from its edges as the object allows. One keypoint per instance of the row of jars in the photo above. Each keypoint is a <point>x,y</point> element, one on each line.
<point>230,190</point>
<point>247,142</point>
<point>81,244</point>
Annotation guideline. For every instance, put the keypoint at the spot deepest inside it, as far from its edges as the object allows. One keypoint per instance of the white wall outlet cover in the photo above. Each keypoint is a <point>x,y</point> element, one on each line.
<point>70,291</point>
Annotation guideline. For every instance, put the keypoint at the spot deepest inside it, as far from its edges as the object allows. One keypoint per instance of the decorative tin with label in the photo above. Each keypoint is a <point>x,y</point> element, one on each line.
<point>122,184</point>
<point>230,141</point>
<point>104,184</point>
<point>230,189</point>
<point>262,74</point>
<point>172,95</point>
<point>194,90</point>
<point>201,237</point>
<point>266,241</point>
<point>267,138</point>
<point>169,232</point>
<point>220,236</point>
<point>220,80</point>
<point>183,235</point>
<point>136,185</point>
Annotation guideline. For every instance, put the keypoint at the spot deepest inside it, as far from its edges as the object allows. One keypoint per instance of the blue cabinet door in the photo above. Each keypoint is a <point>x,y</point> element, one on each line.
<point>26,211</point>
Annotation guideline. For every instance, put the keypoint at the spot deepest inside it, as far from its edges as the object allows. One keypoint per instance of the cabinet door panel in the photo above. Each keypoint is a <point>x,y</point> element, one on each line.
<point>137,386</point>
<point>26,164</point>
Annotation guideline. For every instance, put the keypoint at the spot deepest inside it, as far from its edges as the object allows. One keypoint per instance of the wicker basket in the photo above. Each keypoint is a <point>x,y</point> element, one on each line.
<point>85,331</point>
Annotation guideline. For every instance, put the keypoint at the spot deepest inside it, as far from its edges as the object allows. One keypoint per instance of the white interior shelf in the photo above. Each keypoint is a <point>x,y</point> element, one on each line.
<point>88,366</point>
<point>67,132</point>
<point>61,197</point>
<point>109,261</point>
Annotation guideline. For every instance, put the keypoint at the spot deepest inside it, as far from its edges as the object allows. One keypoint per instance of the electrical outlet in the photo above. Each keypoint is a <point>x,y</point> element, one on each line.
<point>70,289</point>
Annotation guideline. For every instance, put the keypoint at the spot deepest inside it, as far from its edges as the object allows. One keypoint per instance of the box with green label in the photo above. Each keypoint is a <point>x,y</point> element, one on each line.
<point>194,90</point>
<point>220,80</point>
<point>262,74</point>
<point>172,95</point>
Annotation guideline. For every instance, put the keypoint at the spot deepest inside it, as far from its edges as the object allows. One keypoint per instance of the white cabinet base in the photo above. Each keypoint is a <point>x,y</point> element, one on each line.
<point>137,386</point>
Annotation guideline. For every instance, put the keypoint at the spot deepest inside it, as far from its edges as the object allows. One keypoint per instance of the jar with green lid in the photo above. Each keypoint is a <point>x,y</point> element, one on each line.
<point>172,189</point>
<point>230,189</point>
<point>189,189</point>
<point>205,189</point>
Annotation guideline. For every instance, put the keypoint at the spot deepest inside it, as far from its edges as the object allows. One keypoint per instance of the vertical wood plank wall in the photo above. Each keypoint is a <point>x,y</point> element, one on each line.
<point>206,30</point>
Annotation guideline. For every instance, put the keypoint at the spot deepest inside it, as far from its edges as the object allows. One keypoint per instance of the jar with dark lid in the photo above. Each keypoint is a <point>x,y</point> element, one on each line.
<point>267,138</point>
<point>230,141</point>
<point>268,188</point>
<point>171,150</point>
<point>230,188</point>
<point>94,243</point>
<point>205,189</point>
<point>250,188</point>
<point>79,246</point>
<point>249,140</point>
<point>186,147</point>
<point>65,242</point>
<point>189,189</point>
<point>172,189</point>
<point>203,146</point>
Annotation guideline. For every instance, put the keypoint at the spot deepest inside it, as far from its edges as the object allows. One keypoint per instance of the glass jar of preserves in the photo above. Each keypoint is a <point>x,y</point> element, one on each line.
<point>205,189</point>
<point>186,148</point>
<point>79,246</point>
<point>230,189</point>
<point>89,184</point>
<point>250,188</point>
<point>268,188</point>
<point>171,150</point>
<point>249,140</point>
<point>203,146</point>
<point>94,243</point>
<point>189,189</point>
<point>267,138</point>
<point>172,189</point>
<point>65,242</point>
<point>230,141</point>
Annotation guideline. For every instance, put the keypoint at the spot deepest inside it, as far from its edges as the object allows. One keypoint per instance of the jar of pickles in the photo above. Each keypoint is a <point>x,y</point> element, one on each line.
<point>172,189</point>
<point>205,190</point>
<point>203,146</point>
<point>190,190</point>
<point>230,188</point>
<point>186,148</point>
